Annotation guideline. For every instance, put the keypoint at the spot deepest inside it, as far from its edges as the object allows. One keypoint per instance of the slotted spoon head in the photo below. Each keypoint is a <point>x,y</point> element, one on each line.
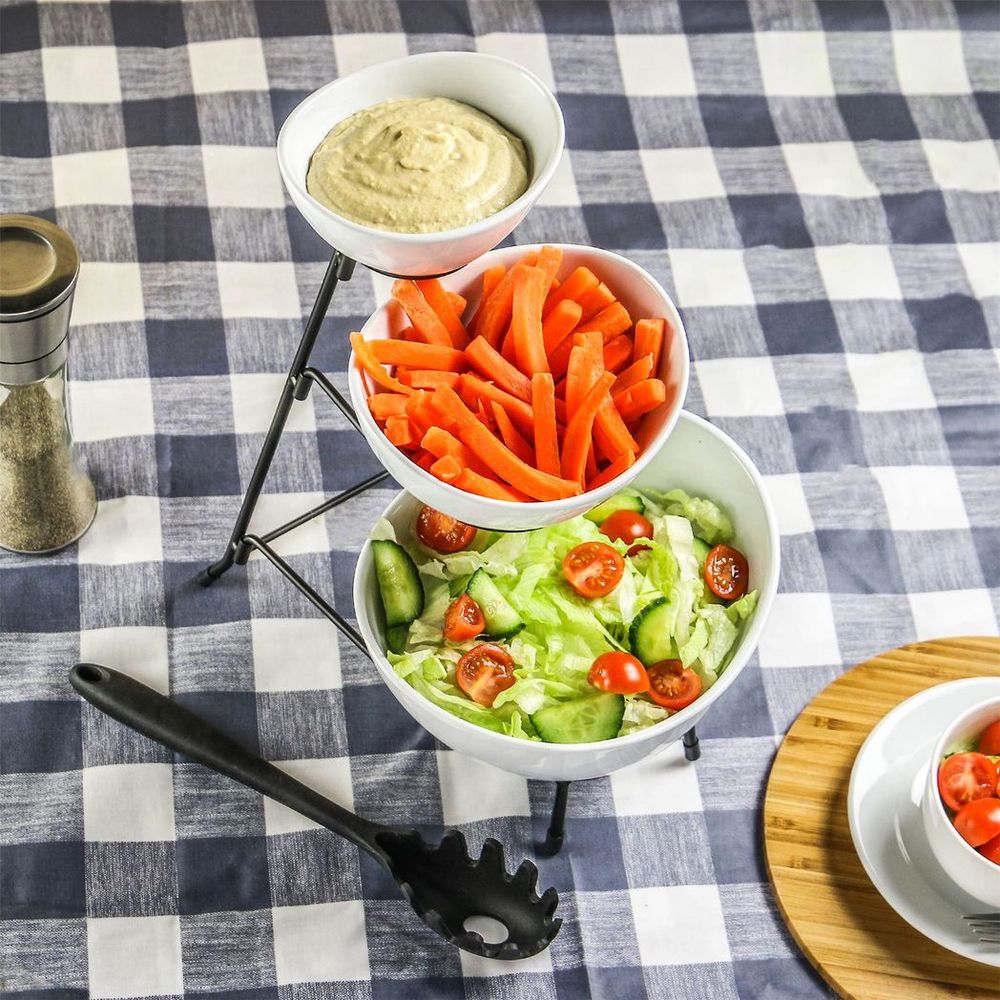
<point>446,887</point>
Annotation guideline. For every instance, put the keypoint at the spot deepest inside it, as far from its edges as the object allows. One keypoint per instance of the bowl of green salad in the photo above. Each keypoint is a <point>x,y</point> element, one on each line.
<point>573,650</point>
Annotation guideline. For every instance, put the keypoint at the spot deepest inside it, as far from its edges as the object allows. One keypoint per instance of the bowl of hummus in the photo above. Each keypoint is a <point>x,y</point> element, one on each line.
<point>417,166</point>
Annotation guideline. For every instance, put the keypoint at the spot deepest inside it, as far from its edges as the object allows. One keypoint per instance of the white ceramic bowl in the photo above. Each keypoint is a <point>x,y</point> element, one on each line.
<point>963,864</point>
<point>639,293</point>
<point>504,90</point>
<point>697,458</point>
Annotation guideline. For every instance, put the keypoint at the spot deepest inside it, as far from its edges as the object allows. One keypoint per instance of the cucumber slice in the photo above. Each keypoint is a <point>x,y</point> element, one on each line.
<point>584,720</point>
<point>398,583</point>
<point>502,621</point>
<point>649,635</point>
<point>620,501</point>
<point>395,638</point>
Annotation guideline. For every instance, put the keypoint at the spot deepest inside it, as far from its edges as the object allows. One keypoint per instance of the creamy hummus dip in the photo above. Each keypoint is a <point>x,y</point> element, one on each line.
<point>418,165</point>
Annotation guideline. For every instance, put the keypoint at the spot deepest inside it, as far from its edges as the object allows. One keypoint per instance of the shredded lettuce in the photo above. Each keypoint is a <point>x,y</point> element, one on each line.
<point>708,521</point>
<point>564,633</point>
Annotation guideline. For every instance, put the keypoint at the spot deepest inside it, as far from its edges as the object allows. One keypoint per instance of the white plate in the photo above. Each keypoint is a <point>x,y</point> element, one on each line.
<point>883,809</point>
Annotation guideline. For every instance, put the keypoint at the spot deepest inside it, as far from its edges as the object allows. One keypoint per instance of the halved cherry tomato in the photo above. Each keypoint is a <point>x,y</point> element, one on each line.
<point>442,532</point>
<point>628,526</point>
<point>989,742</point>
<point>618,673</point>
<point>672,685</point>
<point>726,572</point>
<point>991,850</point>
<point>484,672</point>
<point>593,569</point>
<point>463,619</point>
<point>964,777</point>
<point>979,821</point>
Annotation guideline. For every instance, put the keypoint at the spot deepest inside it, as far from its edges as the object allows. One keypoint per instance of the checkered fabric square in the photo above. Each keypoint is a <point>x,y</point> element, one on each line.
<point>818,186</point>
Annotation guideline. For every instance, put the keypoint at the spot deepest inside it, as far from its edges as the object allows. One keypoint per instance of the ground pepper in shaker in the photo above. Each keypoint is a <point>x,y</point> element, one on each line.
<point>47,501</point>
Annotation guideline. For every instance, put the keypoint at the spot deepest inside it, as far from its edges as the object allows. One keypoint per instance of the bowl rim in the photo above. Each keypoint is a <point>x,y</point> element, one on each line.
<point>932,786</point>
<point>543,507</point>
<point>520,204</point>
<point>741,655</point>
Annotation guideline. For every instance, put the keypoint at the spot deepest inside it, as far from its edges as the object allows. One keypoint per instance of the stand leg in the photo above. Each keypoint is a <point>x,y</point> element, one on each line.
<point>692,750</point>
<point>556,833</point>
<point>341,268</point>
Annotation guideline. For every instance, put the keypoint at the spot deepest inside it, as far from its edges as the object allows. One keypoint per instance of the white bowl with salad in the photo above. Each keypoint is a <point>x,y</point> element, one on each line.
<point>961,801</point>
<point>573,650</point>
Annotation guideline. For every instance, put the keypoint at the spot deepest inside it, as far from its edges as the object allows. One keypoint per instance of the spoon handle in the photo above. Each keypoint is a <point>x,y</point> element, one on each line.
<point>161,719</point>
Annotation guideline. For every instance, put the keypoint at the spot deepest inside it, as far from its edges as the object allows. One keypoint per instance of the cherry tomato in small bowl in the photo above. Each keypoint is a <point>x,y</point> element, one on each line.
<point>628,526</point>
<point>442,532</point>
<point>593,569</point>
<point>965,777</point>
<point>991,850</point>
<point>726,572</point>
<point>618,673</point>
<point>485,671</point>
<point>672,685</point>
<point>979,821</point>
<point>463,619</point>
<point>989,742</point>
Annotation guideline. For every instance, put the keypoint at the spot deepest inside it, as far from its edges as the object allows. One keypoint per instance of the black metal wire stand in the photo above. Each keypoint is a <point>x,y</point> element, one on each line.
<point>300,381</point>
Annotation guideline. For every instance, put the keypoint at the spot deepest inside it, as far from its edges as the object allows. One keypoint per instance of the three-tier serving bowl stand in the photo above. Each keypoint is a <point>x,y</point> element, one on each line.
<point>508,93</point>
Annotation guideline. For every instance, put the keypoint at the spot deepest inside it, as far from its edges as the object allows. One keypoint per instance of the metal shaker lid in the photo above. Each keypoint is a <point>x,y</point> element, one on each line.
<point>39,264</point>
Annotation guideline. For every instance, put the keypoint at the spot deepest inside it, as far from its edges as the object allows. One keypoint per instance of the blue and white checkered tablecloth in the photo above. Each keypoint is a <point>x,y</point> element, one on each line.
<point>818,186</point>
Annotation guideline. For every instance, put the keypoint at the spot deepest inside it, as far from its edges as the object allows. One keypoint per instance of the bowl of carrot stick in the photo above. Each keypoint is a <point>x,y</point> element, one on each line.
<point>525,388</point>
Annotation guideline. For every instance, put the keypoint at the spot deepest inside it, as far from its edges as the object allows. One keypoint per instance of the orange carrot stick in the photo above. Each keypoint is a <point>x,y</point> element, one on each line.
<point>617,353</point>
<point>649,334</point>
<point>526,320</point>
<point>424,379</point>
<point>590,468</point>
<point>495,314</point>
<point>586,363</point>
<point>497,456</point>
<point>484,486</point>
<point>447,468</point>
<point>549,259</point>
<point>610,432</point>
<point>492,365</point>
<point>439,299</point>
<point>640,369</point>
<point>624,461</point>
<point>640,399</point>
<point>611,321</point>
<point>399,430</point>
<point>472,388</point>
<point>424,318</point>
<point>386,404</point>
<point>368,363</point>
<point>594,300</point>
<point>435,357</point>
<point>559,323</point>
<point>581,281</point>
<point>578,431</point>
<point>543,403</point>
<point>425,460</point>
<point>492,277</point>
<point>440,442</point>
<point>458,303</point>
<point>511,436</point>
<point>418,409</point>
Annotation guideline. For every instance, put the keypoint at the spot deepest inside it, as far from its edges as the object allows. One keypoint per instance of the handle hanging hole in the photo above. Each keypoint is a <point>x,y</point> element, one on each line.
<point>89,673</point>
<point>490,930</point>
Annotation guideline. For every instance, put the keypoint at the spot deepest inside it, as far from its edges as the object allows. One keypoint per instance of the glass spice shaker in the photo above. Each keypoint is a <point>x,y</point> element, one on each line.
<point>47,501</point>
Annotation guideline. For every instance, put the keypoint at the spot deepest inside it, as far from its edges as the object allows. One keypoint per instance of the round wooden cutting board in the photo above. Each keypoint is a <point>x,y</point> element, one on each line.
<point>858,943</point>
